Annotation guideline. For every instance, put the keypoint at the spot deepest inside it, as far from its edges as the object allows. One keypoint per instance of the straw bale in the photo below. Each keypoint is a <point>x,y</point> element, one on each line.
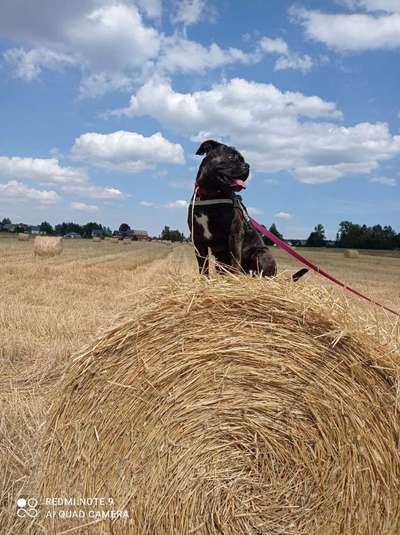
<point>231,406</point>
<point>96,238</point>
<point>351,253</point>
<point>48,245</point>
<point>22,236</point>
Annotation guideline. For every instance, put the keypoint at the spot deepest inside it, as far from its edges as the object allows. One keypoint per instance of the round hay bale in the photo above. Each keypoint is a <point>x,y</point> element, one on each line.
<point>22,236</point>
<point>351,253</point>
<point>96,238</point>
<point>48,245</point>
<point>126,241</point>
<point>115,240</point>
<point>231,406</point>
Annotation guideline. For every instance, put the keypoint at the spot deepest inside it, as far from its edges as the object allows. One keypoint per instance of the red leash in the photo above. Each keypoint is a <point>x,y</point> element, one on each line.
<point>283,245</point>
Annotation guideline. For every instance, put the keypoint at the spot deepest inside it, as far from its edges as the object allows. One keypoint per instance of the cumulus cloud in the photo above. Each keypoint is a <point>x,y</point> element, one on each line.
<point>151,8</point>
<point>390,6</point>
<point>283,215</point>
<point>176,204</point>
<point>16,190</point>
<point>254,211</point>
<point>385,180</point>
<point>188,12</point>
<point>47,171</point>
<point>351,32</point>
<point>28,65</point>
<point>83,207</point>
<point>126,151</point>
<point>96,192</point>
<point>106,39</point>
<point>277,130</point>
<point>172,205</point>
<point>179,54</point>
<point>109,41</point>
<point>116,47</point>
<point>287,59</point>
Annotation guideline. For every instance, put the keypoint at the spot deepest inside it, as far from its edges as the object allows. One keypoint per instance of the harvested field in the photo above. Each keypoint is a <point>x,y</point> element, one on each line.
<point>50,308</point>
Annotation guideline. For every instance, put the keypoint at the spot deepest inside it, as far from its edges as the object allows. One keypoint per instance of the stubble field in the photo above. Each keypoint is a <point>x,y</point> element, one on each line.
<point>51,307</point>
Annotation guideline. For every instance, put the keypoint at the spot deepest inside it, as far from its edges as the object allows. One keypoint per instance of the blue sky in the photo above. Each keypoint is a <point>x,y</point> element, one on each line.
<point>103,104</point>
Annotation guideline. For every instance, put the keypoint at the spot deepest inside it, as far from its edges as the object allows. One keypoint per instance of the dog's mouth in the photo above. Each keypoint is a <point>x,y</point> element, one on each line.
<point>238,184</point>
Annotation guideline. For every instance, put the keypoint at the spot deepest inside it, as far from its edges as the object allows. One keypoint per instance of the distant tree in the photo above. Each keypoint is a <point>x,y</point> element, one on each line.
<point>88,229</point>
<point>171,235</point>
<point>274,231</point>
<point>6,221</point>
<point>317,237</point>
<point>364,237</point>
<point>65,228</point>
<point>46,228</point>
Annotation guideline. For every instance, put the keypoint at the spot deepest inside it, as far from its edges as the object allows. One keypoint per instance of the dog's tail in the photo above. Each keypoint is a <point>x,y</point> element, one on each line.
<point>296,276</point>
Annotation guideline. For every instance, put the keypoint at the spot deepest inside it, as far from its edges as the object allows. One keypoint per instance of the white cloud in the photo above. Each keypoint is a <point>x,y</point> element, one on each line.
<point>276,130</point>
<point>390,6</point>
<point>386,181</point>
<point>98,84</point>
<point>183,55</point>
<point>126,151</point>
<point>254,211</point>
<point>351,32</point>
<point>182,184</point>
<point>151,8</point>
<point>46,171</point>
<point>83,207</point>
<point>189,12</point>
<point>95,192</point>
<point>115,49</point>
<point>28,65</point>
<point>16,190</point>
<point>172,205</point>
<point>283,215</point>
<point>106,39</point>
<point>177,204</point>
<point>113,37</point>
<point>287,59</point>
<point>294,62</point>
<point>274,46</point>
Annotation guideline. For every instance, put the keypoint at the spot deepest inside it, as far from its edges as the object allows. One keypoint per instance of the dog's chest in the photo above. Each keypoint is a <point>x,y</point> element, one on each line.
<point>212,223</point>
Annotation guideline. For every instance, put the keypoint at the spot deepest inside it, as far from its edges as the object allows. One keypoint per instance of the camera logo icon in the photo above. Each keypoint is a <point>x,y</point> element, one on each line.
<point>27,507</point>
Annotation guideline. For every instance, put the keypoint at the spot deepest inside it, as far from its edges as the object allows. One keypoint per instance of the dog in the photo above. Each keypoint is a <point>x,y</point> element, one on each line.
<point>216,219</point>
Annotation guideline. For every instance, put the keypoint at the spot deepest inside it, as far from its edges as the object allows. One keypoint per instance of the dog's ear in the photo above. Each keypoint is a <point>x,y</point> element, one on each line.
<point>206,146</point>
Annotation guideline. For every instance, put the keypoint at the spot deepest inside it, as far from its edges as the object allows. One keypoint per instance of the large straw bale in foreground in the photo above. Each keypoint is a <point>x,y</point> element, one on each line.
<point>48,245</point>
<point>351,253</point>
<point>231,406</point>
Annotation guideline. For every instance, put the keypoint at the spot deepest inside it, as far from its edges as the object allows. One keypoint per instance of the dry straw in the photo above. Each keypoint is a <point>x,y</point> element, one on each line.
<point>231,406</point>
<point>23,237</point>
<point>351,253</point>
<point>48,245</point>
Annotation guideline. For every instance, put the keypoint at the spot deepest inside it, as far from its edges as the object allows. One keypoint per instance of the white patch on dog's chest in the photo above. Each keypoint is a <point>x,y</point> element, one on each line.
<point>202,220</point>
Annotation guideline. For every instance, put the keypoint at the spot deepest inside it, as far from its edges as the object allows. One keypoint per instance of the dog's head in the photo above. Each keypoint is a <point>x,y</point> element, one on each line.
<point>223,168</point>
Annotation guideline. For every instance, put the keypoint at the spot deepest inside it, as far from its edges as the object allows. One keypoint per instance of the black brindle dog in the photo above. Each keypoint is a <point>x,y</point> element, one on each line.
<point>217,217</point>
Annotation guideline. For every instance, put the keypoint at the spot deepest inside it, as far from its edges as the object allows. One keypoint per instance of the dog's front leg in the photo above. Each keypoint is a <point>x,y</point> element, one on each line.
<point>236,237</point>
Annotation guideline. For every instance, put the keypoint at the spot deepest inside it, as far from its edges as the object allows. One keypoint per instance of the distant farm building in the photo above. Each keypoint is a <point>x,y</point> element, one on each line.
<point>73,235</point>
<point>141,235</point>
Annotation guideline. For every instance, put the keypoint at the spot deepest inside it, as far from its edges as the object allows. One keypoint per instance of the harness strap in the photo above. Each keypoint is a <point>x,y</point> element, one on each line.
<point>208,202</point>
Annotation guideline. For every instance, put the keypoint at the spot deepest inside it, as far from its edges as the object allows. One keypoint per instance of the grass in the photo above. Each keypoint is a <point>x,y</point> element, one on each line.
<point>51,307</point>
